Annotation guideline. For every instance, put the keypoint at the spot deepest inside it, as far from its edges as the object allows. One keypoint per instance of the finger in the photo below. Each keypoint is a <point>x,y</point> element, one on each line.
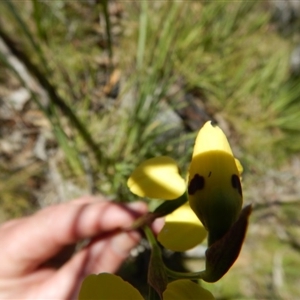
<point>35,239</point>
<point>107,255</point>
<point>157,225</point>
<point>88,199</point>
<point>100,256</point>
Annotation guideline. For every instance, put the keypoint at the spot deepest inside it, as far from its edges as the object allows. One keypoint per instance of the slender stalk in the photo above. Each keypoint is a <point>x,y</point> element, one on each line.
<point>56,99</point>
<point>184,275</point>
<point>23,26</point>
<point>108,29</point>
<point>150,237</point>
<point>142,35</point>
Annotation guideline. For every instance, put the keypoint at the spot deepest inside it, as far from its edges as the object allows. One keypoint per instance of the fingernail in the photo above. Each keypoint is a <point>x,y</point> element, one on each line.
<point>138,206</point>
<point>158,224</point>
<point>122,243</point>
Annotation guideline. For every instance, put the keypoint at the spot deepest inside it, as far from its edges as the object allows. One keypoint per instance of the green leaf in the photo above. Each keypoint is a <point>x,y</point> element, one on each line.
<point>157,276</point>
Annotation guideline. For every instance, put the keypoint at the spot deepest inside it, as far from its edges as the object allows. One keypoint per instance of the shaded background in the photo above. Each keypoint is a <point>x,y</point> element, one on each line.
<point>90,89</point>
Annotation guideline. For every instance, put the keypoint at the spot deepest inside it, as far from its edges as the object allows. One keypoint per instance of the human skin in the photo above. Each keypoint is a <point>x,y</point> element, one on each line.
<point>36,260</point>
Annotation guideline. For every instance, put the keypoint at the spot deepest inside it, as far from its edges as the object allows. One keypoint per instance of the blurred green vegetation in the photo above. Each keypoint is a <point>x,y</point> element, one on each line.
<point>228,56</point>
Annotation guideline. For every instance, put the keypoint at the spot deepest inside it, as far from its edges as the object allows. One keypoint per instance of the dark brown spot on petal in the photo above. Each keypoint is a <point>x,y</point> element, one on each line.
<point>196,184</point>
<point>236,183</point>
<point>214,123</point>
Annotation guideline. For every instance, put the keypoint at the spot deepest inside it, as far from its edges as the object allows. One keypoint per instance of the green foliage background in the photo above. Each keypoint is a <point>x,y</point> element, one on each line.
<point>227,56</point>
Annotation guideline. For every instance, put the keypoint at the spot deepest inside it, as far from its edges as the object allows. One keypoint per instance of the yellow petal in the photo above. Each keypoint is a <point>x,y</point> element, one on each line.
<point>211,137</point>
<point>239,166</point>
<point>214,187</point>
<point>182,230</point>
<point>107,287</point>
<point>187,290</point>
<point>157,177</point>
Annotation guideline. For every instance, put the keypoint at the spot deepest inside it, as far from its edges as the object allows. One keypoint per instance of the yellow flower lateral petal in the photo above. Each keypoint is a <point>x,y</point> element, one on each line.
<point>214,188</point>
<point>157,177</point>
<point>239,166</point>
<point>182,230</point>
<point>107,286</point>
<point>187,290</point>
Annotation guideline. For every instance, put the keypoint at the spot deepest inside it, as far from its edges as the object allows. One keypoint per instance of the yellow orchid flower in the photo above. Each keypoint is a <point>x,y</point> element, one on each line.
<point>214,187</point>
<point>214,190</point>
<point>214,198</point>
<point>107,286</point>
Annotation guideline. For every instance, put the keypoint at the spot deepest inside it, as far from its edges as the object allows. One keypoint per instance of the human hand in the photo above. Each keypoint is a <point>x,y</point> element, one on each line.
<point>32,262</point>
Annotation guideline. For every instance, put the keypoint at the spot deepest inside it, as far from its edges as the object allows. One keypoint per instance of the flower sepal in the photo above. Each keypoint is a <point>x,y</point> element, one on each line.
<point>222,254</point>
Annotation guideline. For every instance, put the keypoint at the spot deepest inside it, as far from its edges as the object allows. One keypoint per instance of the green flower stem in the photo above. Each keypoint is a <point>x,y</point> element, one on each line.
<point>168,206</point>
<point>162,210</point>
<point>152,294</point>
<point>150,237</point>
<point>143,221</point>
<point>184,275</point>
